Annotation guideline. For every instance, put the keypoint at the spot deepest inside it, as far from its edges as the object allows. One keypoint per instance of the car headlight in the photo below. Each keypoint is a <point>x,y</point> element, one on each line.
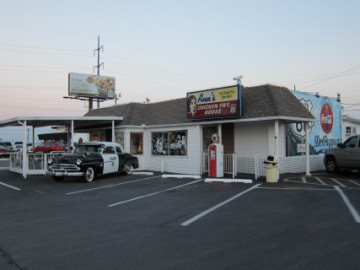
<point>78,162</point>
<point>50,161</point>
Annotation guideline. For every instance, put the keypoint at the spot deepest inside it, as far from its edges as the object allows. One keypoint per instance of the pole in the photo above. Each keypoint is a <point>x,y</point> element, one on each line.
<point>98,64</point>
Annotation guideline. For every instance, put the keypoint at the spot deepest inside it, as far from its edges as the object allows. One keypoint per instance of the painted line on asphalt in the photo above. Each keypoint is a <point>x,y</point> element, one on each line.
<point>320,181</point>
<point>337,182</point>
<point>355,183</point>
<point>152,194</point>
<point>351,208</point>
<point>109,186</point>
<point>298,188</point>
<point>206,212</point>
<point>9,186</point>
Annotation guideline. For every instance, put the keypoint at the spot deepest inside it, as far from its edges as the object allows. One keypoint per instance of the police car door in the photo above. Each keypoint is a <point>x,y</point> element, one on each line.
<point>111,161</point>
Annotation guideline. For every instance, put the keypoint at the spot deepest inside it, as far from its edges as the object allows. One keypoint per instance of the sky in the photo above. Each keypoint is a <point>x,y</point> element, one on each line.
<point>162,49</point>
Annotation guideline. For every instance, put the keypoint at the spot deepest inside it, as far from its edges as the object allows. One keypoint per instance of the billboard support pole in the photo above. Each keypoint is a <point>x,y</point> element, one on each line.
<point>98,64</point>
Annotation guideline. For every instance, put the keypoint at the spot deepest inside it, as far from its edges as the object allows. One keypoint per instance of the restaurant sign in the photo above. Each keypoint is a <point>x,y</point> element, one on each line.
<point>86,85</point>
<point>217,102</point>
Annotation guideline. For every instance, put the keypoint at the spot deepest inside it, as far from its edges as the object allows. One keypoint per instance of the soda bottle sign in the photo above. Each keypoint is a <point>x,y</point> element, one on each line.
<point>326,118</point>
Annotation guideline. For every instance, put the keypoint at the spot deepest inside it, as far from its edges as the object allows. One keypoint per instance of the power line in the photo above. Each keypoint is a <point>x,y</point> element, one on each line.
<point>332,77</point>
<point>42,48</point>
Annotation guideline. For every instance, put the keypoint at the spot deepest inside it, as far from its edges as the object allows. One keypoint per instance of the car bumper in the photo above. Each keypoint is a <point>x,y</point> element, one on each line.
<point>65,170</point>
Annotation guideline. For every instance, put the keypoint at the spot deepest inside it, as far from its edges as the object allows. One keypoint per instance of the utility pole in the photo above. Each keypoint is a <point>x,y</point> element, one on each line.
<point>98,68</point>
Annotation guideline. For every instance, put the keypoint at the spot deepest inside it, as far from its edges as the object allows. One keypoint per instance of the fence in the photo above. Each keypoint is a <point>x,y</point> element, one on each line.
<point>37,162</point>
<point>234,164</point>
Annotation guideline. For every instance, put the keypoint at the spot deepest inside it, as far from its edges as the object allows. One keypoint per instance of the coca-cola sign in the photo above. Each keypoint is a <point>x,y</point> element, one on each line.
<point>326,118</point>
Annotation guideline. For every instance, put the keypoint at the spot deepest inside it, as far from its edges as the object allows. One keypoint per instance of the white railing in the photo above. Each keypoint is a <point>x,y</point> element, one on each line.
<point>234,164</point>
<point>36,161</point>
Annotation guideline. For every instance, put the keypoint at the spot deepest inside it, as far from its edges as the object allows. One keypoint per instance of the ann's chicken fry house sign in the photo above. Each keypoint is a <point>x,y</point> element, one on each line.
<point>213,103</point>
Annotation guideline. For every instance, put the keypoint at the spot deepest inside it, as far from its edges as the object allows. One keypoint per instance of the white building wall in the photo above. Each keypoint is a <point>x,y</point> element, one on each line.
<point>251,139</point>
<point>190,164</point>
<point>354,128</point>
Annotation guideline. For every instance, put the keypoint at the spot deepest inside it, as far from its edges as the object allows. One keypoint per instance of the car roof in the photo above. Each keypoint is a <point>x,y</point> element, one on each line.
<point>100,143</point>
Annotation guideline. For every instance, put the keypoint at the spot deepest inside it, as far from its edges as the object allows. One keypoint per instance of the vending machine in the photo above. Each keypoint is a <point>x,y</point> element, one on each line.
<point>216,160</point>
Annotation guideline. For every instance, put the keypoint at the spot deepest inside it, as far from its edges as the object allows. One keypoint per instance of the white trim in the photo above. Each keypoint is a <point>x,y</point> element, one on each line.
<point>221,121</point>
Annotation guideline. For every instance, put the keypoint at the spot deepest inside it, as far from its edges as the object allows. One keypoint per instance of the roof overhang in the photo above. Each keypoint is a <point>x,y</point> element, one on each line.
<point>285,119</point>
<point>82,122</point>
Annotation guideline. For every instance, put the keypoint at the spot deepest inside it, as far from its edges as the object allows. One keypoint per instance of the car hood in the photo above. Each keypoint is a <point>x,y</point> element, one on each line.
<point>75,156</point>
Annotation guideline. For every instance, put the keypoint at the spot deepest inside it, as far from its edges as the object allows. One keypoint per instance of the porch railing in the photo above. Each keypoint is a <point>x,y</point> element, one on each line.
<point>235,164</point>
<point>36,162</point>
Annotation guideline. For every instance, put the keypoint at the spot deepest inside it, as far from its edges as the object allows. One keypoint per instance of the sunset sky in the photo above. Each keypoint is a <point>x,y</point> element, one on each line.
<point>161,50</point>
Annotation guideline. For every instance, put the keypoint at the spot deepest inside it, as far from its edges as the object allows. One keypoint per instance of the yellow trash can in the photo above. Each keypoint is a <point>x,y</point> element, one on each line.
<point>272,169</point>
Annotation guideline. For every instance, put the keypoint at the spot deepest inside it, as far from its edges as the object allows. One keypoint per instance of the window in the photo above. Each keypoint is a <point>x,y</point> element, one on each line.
<point>348,130</point>
<point>119,138</point>
<point>208,131</point>
<point>172,143</point>
<point>351,143</point>
<point>109,150</point>
<point>136,143</point>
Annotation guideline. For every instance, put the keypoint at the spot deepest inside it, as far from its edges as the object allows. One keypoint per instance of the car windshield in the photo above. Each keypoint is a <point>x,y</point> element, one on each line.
<point>82,148</point>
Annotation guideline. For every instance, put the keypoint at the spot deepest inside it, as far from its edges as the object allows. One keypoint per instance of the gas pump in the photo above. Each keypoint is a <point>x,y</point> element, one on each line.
<point>216,160</point>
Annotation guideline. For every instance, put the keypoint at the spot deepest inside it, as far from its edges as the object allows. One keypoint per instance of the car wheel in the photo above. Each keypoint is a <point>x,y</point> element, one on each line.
<point>89,174</point>
<point>331,166</point>
<point>128,168</point>
<point>58,178</point>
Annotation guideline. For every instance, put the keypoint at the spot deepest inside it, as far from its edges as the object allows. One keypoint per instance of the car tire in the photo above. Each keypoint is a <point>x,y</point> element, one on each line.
<point>331,166</point>
<point>58,178</point>
<point>89,175</point>
<point>128,168</point>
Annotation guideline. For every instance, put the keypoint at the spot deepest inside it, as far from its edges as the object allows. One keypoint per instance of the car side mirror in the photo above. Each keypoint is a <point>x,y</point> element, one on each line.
<point>340,145</point>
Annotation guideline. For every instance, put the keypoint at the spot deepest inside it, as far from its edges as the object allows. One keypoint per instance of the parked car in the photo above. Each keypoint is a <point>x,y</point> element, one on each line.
<point>90,159</point>
<point>3,152</point>
<point>48,147</point>
<point>8,146</point>
<point>345,156</point>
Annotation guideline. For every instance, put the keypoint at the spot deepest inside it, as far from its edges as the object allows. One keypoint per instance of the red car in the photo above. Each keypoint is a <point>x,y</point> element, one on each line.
<point>49,147</point>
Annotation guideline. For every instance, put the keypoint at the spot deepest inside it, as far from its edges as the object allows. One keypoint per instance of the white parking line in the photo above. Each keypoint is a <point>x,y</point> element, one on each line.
<point>351,208</point>
<point>195,218</point>
<point>108,186</point>
<point>9,186</point>
<point>152,194</point>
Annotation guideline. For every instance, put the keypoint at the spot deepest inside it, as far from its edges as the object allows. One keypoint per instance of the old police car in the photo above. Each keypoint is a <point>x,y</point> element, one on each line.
<point>90,159</point>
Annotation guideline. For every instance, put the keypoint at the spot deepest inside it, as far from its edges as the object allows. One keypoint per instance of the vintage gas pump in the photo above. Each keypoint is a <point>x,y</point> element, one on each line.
<point>216,160</point>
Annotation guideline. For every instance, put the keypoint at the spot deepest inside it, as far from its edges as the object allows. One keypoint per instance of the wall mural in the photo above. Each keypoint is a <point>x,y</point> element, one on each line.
<point>325,133</point>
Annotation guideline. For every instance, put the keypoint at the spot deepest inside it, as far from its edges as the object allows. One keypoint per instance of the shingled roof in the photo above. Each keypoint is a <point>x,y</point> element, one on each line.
<point>259,102</point>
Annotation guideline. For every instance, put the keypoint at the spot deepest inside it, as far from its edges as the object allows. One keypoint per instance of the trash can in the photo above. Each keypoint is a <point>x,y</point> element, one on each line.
<point>272,171</point>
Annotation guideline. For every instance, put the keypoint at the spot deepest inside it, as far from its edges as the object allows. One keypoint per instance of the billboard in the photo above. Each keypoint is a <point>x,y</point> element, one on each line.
<point>87,85</point>
<point>217,102</point>
<point>325,133</point>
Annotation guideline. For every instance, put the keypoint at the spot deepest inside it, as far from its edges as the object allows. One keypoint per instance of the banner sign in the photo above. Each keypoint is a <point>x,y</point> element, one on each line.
<point>213,103</point>
<point>325,133</point>
<point>85,85</point>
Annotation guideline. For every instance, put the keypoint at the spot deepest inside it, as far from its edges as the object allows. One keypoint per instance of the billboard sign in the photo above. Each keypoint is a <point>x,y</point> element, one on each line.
<point>87,85</point>
<point>325,133</point>
<point>217,102</point>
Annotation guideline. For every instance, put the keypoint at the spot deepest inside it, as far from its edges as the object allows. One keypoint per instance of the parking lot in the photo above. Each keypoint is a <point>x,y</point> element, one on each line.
<point>151,222</point>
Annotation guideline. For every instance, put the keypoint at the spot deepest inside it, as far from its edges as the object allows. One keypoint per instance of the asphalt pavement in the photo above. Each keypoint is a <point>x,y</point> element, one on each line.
<point>151,222</point>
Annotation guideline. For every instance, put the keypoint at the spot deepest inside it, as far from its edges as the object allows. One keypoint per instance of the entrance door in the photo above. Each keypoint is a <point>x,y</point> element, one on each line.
<point>111,160</point>
<point>228,137</point>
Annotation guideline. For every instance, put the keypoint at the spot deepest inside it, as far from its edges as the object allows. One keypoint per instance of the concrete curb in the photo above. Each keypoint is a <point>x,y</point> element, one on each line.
<point>181,176</point>
<point>222,180</point>
<point>143,173</point>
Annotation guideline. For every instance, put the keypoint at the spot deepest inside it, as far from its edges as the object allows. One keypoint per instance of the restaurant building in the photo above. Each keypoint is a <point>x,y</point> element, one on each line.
<point>174,135</point>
